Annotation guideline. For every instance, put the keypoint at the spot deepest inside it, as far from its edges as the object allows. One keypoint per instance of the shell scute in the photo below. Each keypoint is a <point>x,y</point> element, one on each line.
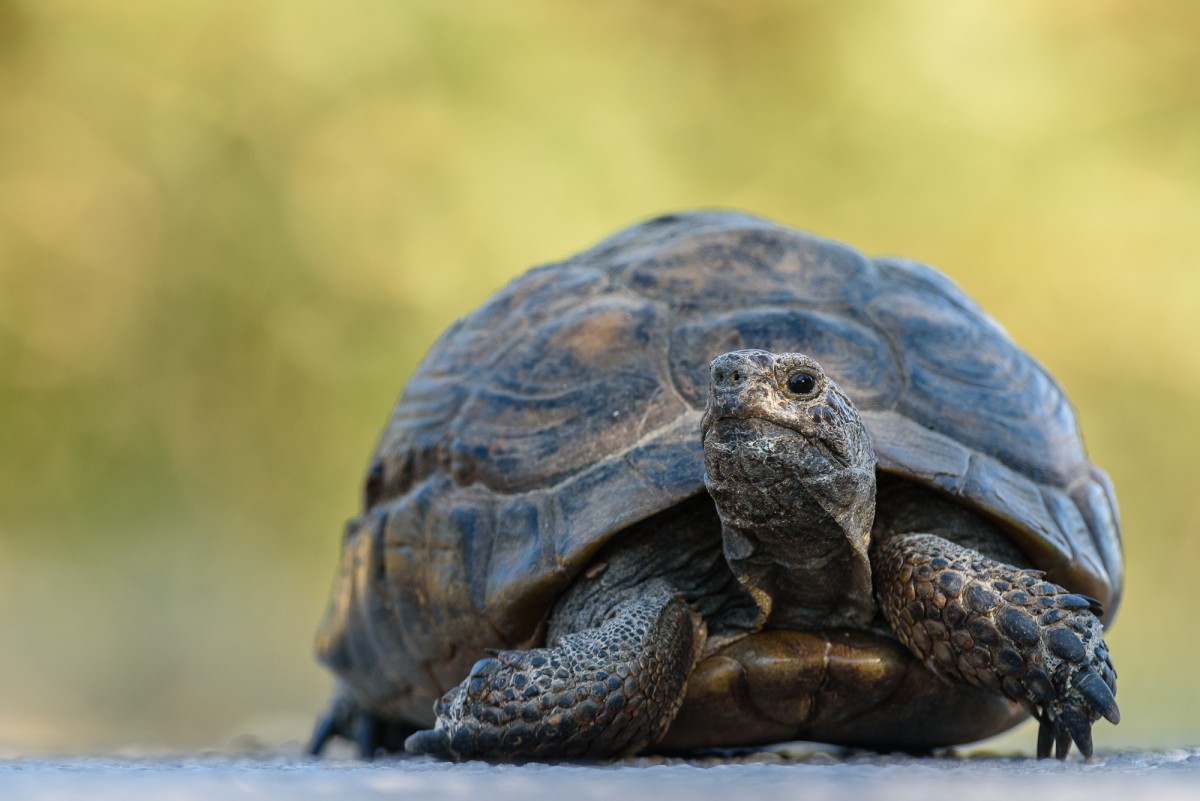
<point>565,392</point>
<point>850,349</point>
<point>751,265</point>
<point>970,383</point>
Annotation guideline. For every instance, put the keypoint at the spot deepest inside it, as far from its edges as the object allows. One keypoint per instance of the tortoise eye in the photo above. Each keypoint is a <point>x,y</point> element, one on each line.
<point>801,383</point>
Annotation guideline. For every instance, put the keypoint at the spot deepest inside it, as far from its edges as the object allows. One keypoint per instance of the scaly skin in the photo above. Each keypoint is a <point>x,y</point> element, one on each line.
<point>973,619</point>
<point>604,691</point>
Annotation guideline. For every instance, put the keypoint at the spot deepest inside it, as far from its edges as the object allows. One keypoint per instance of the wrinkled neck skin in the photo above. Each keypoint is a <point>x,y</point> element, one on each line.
<point>796,508</point>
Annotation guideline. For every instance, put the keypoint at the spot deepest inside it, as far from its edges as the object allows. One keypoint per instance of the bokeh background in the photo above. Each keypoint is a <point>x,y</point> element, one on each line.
<point>229,230</point>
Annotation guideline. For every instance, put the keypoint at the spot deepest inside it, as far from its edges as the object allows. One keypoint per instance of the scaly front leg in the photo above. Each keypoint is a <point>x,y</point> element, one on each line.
<point>604,691</point>
<point>1002,628</point>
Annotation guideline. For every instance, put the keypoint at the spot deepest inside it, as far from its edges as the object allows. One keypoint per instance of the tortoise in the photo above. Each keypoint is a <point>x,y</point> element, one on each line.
<point>718,482</point>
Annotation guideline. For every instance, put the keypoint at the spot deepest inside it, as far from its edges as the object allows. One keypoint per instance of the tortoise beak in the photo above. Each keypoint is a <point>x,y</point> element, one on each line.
<point>737,386</point>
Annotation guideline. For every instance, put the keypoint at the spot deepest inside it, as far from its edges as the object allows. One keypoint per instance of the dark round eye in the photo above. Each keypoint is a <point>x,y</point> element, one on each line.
<point>801,383</point>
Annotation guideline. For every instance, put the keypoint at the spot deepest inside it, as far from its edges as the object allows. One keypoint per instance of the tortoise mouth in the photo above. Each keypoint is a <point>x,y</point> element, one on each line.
<point>764,439</point>
<point>765,436</point>
<point>746,428</point>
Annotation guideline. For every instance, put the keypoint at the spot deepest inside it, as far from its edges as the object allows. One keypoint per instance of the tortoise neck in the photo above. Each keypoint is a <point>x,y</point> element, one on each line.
<point>796,527</point>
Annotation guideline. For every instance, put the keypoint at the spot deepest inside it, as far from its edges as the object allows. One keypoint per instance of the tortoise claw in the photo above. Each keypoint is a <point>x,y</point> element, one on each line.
<point>1060,727</point>
<point>1062,744</point>
<point>1084,695</point>
<point>366,736</point>
<point>323,732</point>
<point>428,741</point>
<point>1080,729</point>
<point>1062,724</point>
<point>1098,694</point>
<point>1045,738</point>
<point>337,721</point>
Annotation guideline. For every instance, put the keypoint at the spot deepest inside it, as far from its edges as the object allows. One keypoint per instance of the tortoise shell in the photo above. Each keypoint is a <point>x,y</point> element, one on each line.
<point>568,406</point>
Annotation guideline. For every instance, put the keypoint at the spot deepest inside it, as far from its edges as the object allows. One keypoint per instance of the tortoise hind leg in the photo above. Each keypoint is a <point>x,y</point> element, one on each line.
<point>1003,628</point>
<point>607,690</point>
<point>370,733</point>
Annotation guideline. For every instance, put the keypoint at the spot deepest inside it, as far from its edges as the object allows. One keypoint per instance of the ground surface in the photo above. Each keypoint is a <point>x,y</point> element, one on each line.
<point>777,775</point>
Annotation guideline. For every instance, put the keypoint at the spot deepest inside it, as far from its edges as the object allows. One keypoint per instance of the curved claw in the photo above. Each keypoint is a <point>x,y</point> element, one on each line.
<point>1045,738</point>
<point>1087,697</point>
<point>337,721</point>
<point>1062,744</point>
<point>1059,729</point>
<point>1098,694</point>
<point>323,732</point>
<point>428,741</point>
<point>1080,729</point>
<point>366,736</point>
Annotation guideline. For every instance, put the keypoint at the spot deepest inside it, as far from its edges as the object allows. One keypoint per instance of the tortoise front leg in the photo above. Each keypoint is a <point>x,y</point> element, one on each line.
<point>1003,628</point>
<point>603,691</point>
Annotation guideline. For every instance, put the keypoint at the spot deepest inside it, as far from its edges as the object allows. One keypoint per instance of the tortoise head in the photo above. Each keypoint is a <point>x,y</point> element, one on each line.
<point>793,395</point>
<point>792,471</point>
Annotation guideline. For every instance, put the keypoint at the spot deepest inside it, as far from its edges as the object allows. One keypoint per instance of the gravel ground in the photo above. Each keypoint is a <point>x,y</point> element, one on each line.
<point>769,776</point>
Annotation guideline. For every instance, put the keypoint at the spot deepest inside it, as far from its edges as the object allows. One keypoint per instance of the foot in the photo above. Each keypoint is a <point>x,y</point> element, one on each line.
<point>604,691</point>
<point>971,618</point>
<point>370,733</point>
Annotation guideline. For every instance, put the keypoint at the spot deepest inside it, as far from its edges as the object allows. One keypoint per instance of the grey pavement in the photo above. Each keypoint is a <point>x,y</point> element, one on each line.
<point>769,776</point>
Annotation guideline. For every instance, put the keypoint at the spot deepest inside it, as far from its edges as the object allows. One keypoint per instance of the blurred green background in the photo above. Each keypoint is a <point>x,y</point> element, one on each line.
<point>229,230</point>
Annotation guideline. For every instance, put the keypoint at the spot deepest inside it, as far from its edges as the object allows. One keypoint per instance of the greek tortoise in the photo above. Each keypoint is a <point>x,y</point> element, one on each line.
<point>717,482</point>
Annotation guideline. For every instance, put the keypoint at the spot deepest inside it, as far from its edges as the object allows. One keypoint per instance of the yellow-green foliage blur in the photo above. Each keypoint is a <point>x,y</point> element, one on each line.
<point>229,230</point>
